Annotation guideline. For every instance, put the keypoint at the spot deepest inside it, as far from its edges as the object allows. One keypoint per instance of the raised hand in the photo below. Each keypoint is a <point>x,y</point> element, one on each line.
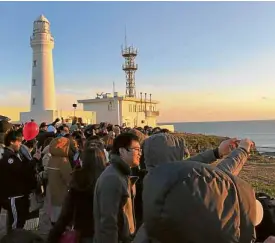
<point>226,146</point>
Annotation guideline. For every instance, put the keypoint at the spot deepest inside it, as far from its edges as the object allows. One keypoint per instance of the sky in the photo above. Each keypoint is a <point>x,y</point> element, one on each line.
<point>204,61</point>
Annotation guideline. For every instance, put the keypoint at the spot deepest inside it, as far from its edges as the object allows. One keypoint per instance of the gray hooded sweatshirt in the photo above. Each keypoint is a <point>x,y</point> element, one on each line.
<point>192,201</point>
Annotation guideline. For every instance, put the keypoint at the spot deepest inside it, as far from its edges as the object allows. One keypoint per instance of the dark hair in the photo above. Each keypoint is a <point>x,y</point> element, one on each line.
<point>80,142</point>
<point>110,128</point>
<point>109,143</point>
<point>68,135</point>
<point>31,143</point>
<point>93,164</point>
<point>47,141</point>
<point>123,140</point>
<point>93,138</point>
<point>12,136</point>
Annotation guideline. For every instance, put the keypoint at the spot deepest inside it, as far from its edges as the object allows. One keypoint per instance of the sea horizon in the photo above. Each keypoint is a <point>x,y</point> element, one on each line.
<point>262,132</point>
<point>173,122</point>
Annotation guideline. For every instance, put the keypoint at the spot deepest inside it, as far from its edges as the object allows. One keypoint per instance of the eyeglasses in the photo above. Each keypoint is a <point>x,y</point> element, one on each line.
<point>136,149</point>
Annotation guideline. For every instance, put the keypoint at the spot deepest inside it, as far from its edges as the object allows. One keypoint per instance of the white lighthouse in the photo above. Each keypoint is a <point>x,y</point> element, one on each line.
<point>42,100</point>
<point>43,107</point>
<point>43,89</point>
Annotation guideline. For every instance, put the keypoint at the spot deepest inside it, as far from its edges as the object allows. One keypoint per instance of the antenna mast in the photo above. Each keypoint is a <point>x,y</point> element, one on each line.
<point>129,67</point>
<point>114,88</point>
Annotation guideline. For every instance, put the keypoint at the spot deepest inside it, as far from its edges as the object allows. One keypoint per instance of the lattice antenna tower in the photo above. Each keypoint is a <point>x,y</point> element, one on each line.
<point>129,53</point>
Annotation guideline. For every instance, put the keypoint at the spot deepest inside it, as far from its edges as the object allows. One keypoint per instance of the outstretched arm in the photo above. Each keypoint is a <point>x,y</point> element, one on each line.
<point>206,157</point>
<point>234,162</point>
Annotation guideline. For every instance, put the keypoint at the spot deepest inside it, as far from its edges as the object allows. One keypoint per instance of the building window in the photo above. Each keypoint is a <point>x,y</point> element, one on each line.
<point>153,108</point>
<point>33,82</point>
<point>135,108</point>
<point>33,101</point>
<point>130,108</point>
<point>34,63</point>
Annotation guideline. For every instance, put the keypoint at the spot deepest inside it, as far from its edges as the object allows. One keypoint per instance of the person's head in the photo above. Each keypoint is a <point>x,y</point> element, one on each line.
<point>59,147</point>
<point>109,143</point>
<point>164,130</point>
<point>47,141</point>
<point>93,159</point>
<point>110,128</point>
<point>127,146</point>
<point>30,144</point>
<point>163,148</point>
<point>4,127</point>
<point>43,126</point>
<point>94,141</point>
<point>116,130</point>
<point>13,139</point>
<point>65,130</point>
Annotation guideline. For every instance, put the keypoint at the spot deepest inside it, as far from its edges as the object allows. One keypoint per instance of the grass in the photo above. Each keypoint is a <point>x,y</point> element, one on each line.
<point>259,170</point>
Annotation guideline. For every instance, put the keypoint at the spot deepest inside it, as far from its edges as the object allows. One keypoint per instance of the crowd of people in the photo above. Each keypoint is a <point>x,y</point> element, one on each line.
<point>104,183</point>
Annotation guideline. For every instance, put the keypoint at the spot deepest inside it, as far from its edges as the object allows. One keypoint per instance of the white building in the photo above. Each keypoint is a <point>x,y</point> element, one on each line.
<point>43,101</point>
<point>123,110</point>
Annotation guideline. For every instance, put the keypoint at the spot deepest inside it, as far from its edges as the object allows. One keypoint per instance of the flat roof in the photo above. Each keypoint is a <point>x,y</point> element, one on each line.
<point>99,100</point>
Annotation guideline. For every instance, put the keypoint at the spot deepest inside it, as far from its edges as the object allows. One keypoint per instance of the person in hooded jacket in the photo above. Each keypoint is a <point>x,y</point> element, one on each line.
<point>59,176</point>
<point>78,206</point>
<point>193,201</point>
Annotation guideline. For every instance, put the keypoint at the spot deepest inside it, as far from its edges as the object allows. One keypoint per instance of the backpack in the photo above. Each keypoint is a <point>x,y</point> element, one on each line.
<point>267,226</point>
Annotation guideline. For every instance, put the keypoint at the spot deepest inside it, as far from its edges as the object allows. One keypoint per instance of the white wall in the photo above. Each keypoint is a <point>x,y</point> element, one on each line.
<point>104,113</point>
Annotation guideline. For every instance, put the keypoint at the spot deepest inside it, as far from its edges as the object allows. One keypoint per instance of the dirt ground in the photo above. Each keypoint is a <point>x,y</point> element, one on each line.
<point>260,172</point>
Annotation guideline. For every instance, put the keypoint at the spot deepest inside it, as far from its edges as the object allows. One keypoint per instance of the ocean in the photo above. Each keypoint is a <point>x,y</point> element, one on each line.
<point>261,132</point>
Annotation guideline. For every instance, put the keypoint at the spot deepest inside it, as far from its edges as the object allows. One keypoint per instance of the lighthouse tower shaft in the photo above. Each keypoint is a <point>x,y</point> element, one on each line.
<point>43,88</point>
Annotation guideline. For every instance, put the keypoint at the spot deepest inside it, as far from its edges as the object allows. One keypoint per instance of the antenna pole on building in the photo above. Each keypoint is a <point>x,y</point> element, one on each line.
<point>125,37</point>
<point>129,67</point>
<point>114,88</point>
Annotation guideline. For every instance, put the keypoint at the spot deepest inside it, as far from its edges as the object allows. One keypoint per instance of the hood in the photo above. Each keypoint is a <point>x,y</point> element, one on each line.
<point>163,148</point>
<point>139,134</point>
<point>60,147</point>
<point>46,149</point>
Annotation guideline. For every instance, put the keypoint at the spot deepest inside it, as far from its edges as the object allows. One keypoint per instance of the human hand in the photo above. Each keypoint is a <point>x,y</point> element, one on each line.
<point>270,239</point>
<point>227,146</point>
<point>246,144</point>
<point>38,154</point>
